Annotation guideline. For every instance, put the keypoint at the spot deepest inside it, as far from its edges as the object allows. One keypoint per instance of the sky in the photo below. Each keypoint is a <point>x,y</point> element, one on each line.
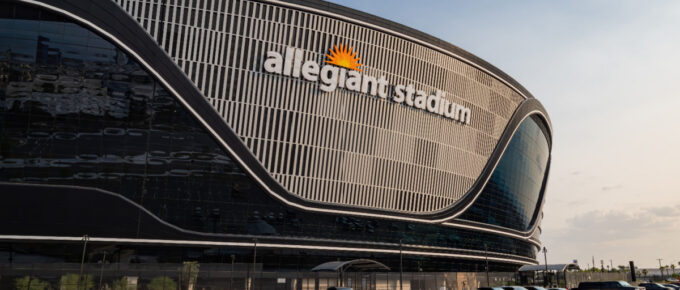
<point>607,72</point>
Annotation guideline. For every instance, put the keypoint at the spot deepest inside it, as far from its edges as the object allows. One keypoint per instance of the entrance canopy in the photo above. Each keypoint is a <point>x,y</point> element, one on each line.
<point>357,265</point>
<point>551,267</point>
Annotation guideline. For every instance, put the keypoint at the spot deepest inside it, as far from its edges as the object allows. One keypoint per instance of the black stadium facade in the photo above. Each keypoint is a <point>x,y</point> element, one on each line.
<point>173,130</point>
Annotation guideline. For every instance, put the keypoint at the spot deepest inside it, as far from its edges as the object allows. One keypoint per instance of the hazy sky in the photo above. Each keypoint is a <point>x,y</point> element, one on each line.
<point>608,74</point>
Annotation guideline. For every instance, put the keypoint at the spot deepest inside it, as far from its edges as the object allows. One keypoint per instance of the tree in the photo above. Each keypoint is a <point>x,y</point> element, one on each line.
<point>673,269</point>
<point>645,272</point>
<point>26,283</point>
<point>70,282</point>
<point>162,283</point>
<point>122,284</point>
<point>190,274</point>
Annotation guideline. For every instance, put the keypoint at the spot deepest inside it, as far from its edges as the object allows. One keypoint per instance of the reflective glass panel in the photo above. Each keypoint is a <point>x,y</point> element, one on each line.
<point>511,196</point>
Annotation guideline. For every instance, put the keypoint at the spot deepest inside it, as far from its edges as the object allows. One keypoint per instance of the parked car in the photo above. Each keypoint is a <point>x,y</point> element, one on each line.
<point>489,288</point>
<point>513,288</point>
<point>557,288</point>
<point>607,285</point>
<point>655,286</point>
<point>534,288</point>
<point>676,287</point>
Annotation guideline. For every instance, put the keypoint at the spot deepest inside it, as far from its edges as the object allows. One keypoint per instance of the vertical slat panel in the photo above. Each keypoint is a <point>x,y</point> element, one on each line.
<point>344,147</point>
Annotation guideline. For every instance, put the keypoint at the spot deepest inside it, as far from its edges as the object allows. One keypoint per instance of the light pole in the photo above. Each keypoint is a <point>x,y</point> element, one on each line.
<point>486,258</point>
<point>545,274</point>
<point>254,261</point>
<point>101,272</point>
<point>82,260</point>
<point>594,267</point>
<point>231,280</point>
<point>401,266</point>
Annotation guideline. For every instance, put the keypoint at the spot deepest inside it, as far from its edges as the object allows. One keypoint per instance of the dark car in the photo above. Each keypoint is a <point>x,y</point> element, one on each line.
<point>607,285</point>
<point>655,286</point>
<point>534,288</point>
<point>513,288</point>
<point>676,287</point>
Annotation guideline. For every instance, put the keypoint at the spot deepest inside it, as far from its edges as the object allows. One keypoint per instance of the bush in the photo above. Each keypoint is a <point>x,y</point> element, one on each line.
<point>162,283</point>
<point>26,283</point>
<point>70,282</point>
<point>122,284</point>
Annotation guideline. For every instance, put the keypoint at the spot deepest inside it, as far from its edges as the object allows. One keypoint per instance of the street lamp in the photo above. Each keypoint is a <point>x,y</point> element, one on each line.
<point>82,259</point>
<point>231,279</point>
<point>486,258</point>
<point>545,274</point>
<point>252,278</point>
<point>401,266</point>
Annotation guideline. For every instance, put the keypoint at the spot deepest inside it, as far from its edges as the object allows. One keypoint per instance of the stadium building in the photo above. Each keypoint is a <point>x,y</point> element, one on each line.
<point>172,130</point>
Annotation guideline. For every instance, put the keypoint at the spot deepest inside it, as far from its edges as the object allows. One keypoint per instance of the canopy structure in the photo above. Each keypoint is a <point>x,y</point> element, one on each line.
<point>358,265</point>
<point>551,267</point>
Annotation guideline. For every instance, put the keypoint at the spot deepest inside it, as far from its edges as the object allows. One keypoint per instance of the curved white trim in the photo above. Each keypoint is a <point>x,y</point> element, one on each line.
<point>214,235</point>
<point>255,176</point>
<point>222,235</point>
<point>263,245</point>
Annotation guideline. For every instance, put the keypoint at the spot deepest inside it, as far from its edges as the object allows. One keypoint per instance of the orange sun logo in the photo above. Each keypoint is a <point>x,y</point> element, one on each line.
<point>344,57</point>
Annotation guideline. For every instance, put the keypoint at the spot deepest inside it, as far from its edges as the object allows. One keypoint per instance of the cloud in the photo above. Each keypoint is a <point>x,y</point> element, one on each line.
<point>608,188</point>
<point>623,223</point>
<point>638,234</point>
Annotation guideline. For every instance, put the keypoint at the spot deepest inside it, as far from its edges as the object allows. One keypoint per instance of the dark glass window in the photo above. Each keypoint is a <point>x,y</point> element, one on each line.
<point>510,198</point>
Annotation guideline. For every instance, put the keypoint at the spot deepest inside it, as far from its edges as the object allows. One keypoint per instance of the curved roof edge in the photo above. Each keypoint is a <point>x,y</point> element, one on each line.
<point>408,31</point>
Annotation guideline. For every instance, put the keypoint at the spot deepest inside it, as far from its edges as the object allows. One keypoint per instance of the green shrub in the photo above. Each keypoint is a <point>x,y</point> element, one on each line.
<point>70,282</point>
<point>26,283</point>
<point>162,283</point>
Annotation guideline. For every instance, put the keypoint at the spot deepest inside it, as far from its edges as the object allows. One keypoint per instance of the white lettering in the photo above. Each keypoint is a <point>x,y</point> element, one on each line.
<point>462,114</point>
<point>382,87</point>
<point>341,79</point>
<point>409,95</point>
<point>291,63</point>
<point>310,71</point>
<point>288,62</point>
<point>329,83</point>
<point>354,81</point>
<point>433,102</point>
<point>399,94</point>
<point>297,63</point>
<point>273,62</point>
<point>369,80</point>
<point>421,99</point>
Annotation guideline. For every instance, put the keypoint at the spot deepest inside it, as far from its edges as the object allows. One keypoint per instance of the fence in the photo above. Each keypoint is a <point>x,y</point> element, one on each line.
<point>194,276</point>
<point>573,278</point>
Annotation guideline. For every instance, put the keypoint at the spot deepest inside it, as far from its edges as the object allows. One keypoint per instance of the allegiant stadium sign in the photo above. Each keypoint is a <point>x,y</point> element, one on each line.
<point>342,71</point>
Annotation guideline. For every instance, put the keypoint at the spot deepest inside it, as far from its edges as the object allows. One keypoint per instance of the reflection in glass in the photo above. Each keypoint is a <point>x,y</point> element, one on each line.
<point>510,198</point>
